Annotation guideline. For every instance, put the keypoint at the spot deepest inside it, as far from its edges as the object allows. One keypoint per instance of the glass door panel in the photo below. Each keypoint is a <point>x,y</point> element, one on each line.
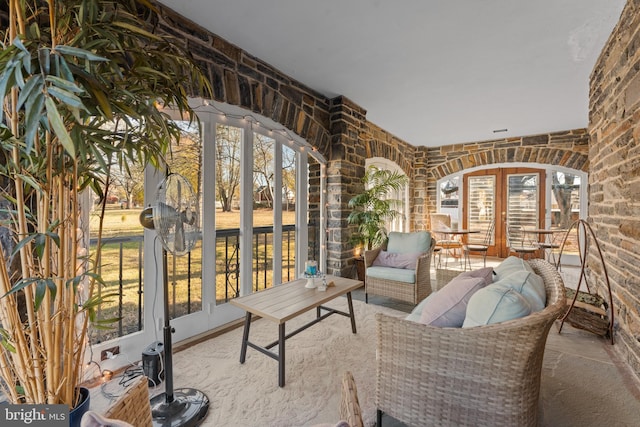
<point>481,207</point>
<point>522,200</point>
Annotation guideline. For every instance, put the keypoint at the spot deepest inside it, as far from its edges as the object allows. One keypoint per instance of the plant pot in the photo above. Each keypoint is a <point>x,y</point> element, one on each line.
<point>75,415</point>
<point>359,262</point>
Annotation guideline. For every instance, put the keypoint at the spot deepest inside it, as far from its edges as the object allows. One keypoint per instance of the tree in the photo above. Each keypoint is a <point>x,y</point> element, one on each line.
<point>228,143</point>
<point>562,192</point>
<point>263,172</point>
<point>129,181</point>
<point>288,175</point>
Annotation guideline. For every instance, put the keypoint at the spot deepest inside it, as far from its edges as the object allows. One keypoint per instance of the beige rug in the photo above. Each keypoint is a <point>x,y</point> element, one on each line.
<point>248,394</point>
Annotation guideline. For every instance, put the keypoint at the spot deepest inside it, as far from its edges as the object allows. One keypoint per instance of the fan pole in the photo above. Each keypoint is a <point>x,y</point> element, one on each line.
<point>168,350</point>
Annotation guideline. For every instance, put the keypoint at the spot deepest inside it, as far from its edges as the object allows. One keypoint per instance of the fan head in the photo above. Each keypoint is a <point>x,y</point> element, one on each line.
<point>175,215</point>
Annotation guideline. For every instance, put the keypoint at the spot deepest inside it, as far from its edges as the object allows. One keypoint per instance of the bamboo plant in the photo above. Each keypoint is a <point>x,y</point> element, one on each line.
<point>83,85</point>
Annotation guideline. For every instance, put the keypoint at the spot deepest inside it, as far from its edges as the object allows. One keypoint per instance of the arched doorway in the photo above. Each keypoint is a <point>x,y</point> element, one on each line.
<point>532,196</point>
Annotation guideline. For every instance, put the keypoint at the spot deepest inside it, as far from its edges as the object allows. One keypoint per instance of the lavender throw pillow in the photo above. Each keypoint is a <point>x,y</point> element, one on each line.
<point>447,307</point>
<point>485,273</point>
<point>397,260</point>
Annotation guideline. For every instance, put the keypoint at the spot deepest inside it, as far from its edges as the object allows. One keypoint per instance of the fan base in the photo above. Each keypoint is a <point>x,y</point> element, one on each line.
<point>188,409</point>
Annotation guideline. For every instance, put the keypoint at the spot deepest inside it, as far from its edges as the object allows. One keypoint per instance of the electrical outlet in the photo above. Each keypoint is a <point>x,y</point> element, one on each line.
<point>109,353</point>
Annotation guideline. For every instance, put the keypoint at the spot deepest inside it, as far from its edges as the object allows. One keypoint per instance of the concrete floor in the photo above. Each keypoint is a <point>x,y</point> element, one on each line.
<point>584,380</point>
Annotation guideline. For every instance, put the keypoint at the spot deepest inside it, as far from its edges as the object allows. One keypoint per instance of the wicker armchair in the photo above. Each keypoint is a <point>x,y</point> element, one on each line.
<point>133,406</point>
<point>387,283</point>
<point>480,376</point>
<point>349,404</point>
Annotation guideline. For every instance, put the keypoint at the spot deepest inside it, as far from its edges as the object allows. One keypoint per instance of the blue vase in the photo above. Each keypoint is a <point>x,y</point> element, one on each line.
<point>75,415</point>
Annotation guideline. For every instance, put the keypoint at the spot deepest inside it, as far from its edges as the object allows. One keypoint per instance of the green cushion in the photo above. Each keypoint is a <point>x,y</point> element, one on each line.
<point>494,304</point>
<point>389,273</point>
<point>529,285</point>
<point>418,241</point>
<point>510,265</point>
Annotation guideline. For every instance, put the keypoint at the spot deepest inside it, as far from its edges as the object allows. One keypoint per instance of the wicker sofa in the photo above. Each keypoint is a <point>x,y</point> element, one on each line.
<point>391,282</point>
<point>481,376</point>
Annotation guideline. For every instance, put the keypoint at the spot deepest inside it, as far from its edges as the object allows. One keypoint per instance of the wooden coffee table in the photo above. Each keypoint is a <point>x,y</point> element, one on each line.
<point>287,301</point>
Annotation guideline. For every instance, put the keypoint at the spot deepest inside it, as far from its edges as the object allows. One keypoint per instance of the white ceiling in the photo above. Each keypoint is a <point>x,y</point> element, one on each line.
<point>432,72</point>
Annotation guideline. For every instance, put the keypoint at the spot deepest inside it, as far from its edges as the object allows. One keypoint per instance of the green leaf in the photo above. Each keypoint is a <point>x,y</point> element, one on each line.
<point>41,288</point>
<point>21,284</point>
<point>33,115</point>
<point>5,341</point>
<point>23,243</point>
<point>33,84</point>
<point>136,29</point>
<point>59,128</point>
<point>67,97</point>
<point>80,53</point>
<point>68,85</point>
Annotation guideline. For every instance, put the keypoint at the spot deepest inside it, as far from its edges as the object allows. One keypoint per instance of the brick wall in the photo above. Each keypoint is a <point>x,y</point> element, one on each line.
<point>614,179</point>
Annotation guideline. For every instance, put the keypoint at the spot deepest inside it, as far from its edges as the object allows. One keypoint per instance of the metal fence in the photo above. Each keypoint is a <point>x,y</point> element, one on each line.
<point>124,255</point>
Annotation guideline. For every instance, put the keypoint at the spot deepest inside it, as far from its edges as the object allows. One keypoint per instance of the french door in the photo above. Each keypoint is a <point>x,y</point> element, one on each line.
<point>506,196</point>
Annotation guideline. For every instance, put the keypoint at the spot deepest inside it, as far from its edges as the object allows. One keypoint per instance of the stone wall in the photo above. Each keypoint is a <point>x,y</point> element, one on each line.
<point>568,148</point>
<point>614,179</point>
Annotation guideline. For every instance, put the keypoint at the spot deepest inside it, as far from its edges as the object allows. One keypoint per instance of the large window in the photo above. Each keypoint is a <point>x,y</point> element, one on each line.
<point>261,198</point>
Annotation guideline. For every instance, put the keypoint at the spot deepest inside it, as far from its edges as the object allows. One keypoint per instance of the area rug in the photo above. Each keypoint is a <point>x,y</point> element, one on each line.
<point>244,395</point>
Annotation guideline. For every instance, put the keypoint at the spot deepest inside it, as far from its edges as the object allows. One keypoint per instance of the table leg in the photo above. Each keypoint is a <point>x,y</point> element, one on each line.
<point>281,338</point>
<point>245,337</point>
<point>351,315</point>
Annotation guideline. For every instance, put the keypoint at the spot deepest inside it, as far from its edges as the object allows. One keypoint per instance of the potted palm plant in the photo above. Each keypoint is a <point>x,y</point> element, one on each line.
<point>374,207</point>
<point>83,85</point>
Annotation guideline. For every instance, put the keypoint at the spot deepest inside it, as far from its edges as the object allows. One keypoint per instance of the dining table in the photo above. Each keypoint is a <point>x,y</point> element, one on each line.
<point>451,242</point>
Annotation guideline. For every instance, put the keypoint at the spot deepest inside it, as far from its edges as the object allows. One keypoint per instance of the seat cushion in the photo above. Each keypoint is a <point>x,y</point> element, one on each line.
<point>388,273</point>
<point>494,304</point>
<point>418,241</point>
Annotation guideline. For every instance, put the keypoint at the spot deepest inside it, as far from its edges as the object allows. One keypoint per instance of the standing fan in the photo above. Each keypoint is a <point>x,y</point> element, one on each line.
<point>175,220</point>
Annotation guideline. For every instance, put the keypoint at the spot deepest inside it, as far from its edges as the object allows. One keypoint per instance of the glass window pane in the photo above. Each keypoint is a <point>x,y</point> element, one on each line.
<point>289,204</point>
<point>449,196</point>
<point>228,147</point>
<point>185,272</point>
<point>565,206</point>
<point>263,195</point>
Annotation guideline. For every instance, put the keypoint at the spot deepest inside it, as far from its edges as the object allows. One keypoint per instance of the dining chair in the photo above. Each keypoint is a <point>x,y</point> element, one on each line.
<point>516,242</point>
<point>444,242</point>
<point>549,244</point>
<point>482,248</point>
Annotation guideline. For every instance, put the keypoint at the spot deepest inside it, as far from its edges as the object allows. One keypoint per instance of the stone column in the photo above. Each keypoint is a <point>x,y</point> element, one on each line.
<point>344,174</point>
